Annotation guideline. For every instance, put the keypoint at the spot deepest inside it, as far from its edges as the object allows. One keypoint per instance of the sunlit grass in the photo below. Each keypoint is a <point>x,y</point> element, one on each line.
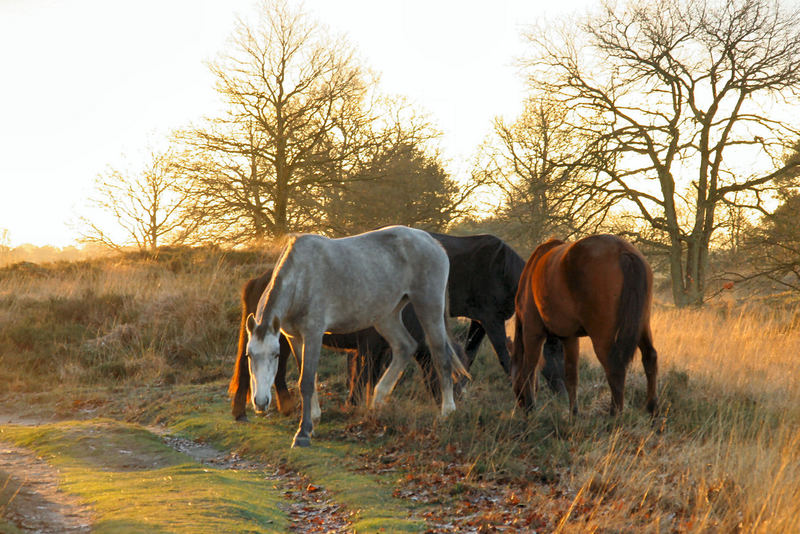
<point>134,483</point>
<point>723,455</point>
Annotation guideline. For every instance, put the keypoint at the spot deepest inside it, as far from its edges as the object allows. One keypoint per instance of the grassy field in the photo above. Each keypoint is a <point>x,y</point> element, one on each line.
<point>122,344</point>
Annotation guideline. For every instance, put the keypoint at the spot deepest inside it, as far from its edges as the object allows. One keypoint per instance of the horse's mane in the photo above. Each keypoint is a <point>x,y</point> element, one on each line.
<point>276,280</point>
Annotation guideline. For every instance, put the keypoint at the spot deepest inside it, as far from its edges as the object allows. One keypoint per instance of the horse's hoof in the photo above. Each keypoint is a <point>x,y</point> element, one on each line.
<point>301,441</point>
<point>241,418</point>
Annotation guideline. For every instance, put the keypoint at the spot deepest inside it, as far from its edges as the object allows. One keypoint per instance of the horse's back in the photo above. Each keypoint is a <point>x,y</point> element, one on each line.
<point>576,285</point>
<point>593,268</point>
<point>399,243</point>
<point>367,274</point>
<point>484,273</point>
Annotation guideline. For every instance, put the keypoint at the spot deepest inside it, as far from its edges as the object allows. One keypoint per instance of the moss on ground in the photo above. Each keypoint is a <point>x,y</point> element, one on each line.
<point>135,483</point>
<point>327,463</point>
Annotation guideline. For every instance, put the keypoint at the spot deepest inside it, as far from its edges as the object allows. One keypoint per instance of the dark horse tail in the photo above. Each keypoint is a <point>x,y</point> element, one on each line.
<point>632,302</point>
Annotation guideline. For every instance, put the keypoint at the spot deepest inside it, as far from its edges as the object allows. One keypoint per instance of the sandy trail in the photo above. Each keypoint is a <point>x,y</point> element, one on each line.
<point>37,505</point>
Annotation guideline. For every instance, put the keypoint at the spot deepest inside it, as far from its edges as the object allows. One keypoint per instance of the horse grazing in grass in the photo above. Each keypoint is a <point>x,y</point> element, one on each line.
<point>484,274</point>
<point>599,286</point>
<point>344,285</point>
<point>362,345</point>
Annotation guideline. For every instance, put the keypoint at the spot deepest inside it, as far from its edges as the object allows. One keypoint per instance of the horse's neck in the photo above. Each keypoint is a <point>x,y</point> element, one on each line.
<point>279,296</point>
<point>274,302</point>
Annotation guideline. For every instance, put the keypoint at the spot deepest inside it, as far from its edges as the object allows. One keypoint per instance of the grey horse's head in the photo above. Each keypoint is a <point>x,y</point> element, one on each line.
<point>263,348</point>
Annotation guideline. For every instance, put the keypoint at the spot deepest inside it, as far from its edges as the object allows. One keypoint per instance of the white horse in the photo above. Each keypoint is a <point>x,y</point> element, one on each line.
<point>343,285</point>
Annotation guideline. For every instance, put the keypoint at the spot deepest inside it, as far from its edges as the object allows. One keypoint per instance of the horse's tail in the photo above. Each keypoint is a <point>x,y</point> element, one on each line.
<point>457,354</point>
<point>632,302</point>
<point>239,387</point>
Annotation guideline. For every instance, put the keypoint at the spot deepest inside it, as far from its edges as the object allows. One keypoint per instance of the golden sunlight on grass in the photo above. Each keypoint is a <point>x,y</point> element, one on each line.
<point>723,455</point>
<point>728,458</point>
<point>747,349</point>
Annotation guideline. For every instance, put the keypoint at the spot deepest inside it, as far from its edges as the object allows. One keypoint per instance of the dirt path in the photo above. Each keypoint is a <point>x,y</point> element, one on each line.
<point>309,507</point>
<point>36,504</point>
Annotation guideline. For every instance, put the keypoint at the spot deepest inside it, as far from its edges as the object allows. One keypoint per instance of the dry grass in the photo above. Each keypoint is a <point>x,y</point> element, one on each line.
<point>728,458</point>
<point>723,456</point>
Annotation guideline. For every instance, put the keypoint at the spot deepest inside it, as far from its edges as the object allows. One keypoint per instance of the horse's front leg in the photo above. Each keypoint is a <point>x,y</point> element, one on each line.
<point>496,330</point>
<point>316,411</point>
<point>311,348</point>
<point>283,397</point>
<point>474,338</point>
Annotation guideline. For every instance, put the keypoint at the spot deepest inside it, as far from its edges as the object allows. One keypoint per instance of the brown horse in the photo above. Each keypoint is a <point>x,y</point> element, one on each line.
<point>600,287</point>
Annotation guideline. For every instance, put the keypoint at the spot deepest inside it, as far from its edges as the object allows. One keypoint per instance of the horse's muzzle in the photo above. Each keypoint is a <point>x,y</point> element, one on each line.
<point>261,408</point>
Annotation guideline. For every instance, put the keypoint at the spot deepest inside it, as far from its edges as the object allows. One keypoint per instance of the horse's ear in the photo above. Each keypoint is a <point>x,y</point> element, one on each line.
<point>250,324</point>
<point>276,324</point>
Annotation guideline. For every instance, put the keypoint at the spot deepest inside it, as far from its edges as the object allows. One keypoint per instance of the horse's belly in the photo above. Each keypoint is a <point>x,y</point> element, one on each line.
<point>357,318</point>
<point>559,321</point>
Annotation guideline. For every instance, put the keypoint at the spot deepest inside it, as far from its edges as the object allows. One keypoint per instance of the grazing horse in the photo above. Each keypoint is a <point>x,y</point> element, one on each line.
<point>363,344</point>
<point>599,286</point>
<point>484,274</point>
<point>344,285</point>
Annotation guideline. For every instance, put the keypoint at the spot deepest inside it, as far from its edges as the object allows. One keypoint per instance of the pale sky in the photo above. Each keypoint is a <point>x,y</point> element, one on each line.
<point>85,84</point>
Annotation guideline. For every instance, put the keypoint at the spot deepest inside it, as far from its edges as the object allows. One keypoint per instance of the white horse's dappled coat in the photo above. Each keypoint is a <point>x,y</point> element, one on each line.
<point>343,285</point>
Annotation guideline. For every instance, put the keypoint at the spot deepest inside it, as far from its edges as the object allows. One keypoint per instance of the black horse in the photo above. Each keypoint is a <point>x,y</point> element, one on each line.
<point>484,275</point>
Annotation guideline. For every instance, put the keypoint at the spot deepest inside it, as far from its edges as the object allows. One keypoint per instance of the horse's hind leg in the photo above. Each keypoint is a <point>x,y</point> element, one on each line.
<point>615,373</point>
<point>523,370</point>
<point>650,363</point>
<point>571,371</point>
<point>432,320</point>
<point>402,345</point>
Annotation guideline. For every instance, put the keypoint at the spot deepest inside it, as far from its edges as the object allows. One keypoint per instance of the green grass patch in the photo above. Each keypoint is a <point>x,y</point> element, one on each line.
<point>328,463</point>
<point>135,483</point>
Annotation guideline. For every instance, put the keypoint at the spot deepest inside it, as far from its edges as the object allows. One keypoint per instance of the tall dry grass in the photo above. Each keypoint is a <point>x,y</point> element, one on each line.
<point>123,319</point>
<point>724,455</point>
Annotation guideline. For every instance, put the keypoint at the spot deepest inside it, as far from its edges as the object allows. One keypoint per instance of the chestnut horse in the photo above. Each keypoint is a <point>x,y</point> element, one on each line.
<point>599,286</point>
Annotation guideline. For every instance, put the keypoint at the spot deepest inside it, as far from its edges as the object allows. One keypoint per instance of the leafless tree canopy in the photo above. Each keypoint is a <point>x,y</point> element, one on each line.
<point>675,95</point>
<point>149,205</point>
<point>410,188</point>
<point>303,115</point>
<point>546,191</point>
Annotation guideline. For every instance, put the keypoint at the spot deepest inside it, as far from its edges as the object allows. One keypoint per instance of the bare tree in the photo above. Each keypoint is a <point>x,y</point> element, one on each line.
<point>683,99</point>
<point>302,116</point>
<point>148,206</point>
<point>546,189</point>
<point>772,244</point>
<point>773,247</point>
